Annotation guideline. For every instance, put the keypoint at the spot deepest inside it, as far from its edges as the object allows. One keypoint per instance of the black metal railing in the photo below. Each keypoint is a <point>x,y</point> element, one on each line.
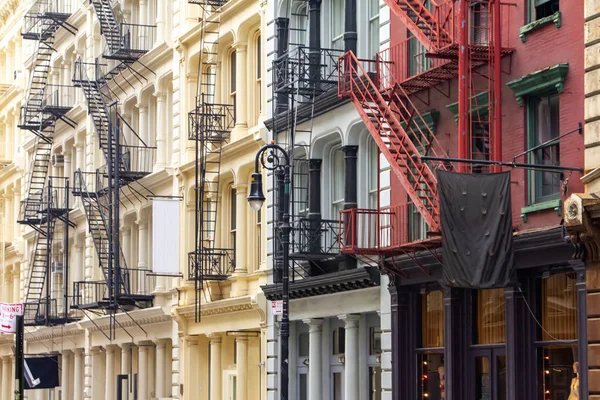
<point>85,183</point>
<point>89,293</point>
<point>136,40</point>
<point>212,122</point>
<point>137,281</point>
<point>211,264</point>
<point>30,209</point>
<point>209,3</point>
<point>35,20</point>
<point>316,237</point>
<point>307,69</point>
<point>32,117</point>
<point>137,160</point>
<point>59,97</point>
<point>49,312</point>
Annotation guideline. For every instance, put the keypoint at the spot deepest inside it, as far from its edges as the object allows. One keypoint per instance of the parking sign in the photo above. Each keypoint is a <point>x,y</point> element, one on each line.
<point>8,316</point>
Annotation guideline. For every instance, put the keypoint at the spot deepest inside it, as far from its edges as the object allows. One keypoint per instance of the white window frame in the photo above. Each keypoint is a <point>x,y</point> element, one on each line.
<point>336,205</point>
<point>337,11</point>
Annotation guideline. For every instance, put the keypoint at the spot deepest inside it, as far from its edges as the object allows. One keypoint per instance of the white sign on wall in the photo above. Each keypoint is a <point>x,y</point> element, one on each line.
<point>277,307</point>
<point>8,317</point>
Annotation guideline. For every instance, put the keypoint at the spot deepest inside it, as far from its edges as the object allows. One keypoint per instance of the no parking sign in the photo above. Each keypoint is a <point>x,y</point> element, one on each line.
<point>8,316</point>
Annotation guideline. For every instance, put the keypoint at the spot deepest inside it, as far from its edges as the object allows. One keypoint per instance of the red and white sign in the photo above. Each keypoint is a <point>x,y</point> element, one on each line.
<point>8,316</point>
<point>277,307</point>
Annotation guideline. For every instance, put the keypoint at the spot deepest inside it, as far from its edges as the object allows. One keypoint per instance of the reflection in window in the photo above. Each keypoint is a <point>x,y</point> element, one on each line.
<point>491,317</point>
<point>338,341</point>
<point>374,341</point>
<point>337,183</point>
<point>543,8</point>
<point>337,386</point>
<point>303,345</point>
<point>374,383</point>
<point>544,115</point>
<point>433,319</point>
<point>337,24</point>
<point>431,368</point>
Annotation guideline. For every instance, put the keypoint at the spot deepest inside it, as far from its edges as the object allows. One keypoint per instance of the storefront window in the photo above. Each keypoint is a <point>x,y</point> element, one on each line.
<point>431,355</point>
<point>491,317</point>
<point>557,351</point>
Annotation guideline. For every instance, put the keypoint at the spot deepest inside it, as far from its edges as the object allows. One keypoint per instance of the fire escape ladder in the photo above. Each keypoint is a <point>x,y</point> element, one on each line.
<point>109,27</point>
<point>393,121</point>
<point>40,164</point>
<point>430,21</point>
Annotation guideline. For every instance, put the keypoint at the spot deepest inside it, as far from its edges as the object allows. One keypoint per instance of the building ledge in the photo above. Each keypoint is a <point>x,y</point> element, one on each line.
<point>544,205</point>
<point>220,307</point>
<point>535,25</point>
<point>342,281</point>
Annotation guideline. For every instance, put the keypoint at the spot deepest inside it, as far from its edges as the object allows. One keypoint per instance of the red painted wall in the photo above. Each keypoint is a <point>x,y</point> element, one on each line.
<point>543,48</point>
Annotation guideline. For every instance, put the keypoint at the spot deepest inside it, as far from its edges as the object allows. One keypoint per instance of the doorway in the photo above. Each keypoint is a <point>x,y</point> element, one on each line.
<point>488,372</point>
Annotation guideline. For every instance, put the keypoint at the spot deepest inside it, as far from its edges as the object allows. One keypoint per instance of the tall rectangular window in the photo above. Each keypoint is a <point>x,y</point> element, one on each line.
<point>259,75</point>
<point>232,78</point>
<point>373,28</point>
<point>258,238</point>
<point>233,214</point>
<point>480,24</point>
<point>337,24</point>
<point>542,8</point>
<point>337,183</point>
<point>543,126</point>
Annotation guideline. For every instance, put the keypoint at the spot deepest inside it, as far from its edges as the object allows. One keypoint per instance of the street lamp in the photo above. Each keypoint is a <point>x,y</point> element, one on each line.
<point>278,161</point>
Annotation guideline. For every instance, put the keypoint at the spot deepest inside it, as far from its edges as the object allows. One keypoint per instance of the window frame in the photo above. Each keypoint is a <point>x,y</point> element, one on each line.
<point>336,12</point>
<point>535,177</point>
<point>233,79</point>
<point>373,26</point>
<point>336,205</point>
<point>232,231</point>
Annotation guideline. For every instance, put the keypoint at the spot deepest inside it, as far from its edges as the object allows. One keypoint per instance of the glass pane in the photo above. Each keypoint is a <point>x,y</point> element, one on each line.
<point>501,378</point>
<point>233,208</point>
<point>338,18</point>
<point>559,307</point>
<point>433,319</point>
<point>337,386</point>
<point>339,341</point>
<point>303,345</point>
<point>373,37</point>
<point>232,71</point>
<point>375,383</point>
<point>375,341</point>
<point>303,387</point>
<point>373,166</point>
<point>483,383</point>
<point>374,8</point>
<point>233,387</point>
<point>557,376</point>
<point>432,376</point>
<point>491,316</point>
<point>546,121</point>
<point>258,57</point>
<point>339,168</point>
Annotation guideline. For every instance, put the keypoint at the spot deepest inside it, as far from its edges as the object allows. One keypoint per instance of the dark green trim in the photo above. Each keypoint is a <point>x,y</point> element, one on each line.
<point>546,205</point>
<point>482,109</point>
<point>537,24</point>
<point>543,82</point>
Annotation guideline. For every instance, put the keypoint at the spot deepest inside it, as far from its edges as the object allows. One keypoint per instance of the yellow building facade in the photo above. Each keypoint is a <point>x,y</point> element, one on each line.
<point>169,348</point>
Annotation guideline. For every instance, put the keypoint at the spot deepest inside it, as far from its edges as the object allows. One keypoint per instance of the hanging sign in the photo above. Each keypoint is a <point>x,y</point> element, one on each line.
<point>8,316</point>
<point>277,307</point>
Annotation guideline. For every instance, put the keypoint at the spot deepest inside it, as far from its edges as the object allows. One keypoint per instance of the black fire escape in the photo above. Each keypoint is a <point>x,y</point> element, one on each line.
<point>123,288</point>
<point>210,125</point>
<point>47,199</point>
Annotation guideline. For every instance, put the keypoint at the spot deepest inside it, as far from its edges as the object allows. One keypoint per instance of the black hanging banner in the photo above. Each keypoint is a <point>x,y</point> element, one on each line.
<point>476,226</point>
<point>41,372</point>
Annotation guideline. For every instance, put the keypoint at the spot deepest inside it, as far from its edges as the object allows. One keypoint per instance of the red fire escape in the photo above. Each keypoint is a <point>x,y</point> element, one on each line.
<point>459,39</point>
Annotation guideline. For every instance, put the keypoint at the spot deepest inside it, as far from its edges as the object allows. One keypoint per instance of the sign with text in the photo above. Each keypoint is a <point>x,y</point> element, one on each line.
<point>277,307</point>
<point>8,316</point>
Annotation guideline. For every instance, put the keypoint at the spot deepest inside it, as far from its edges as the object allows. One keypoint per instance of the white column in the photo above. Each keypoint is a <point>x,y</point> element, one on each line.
<point>143,120</point>
<point>16,283</point>
<point>193,364</point>
<point>241,247</point>
<point>314,369</point>
<point>161,13</point>
<point>143,12</point>
<point>67,168</point>
<point>351,355</point>
<point>6,378</point>
<point>126,243</point>
<point>142,243</point>
<point>151,370</point>
<point>215,366</point>
<point>65,378</point>
<point>143,372</point>
<point>16,209</point>
<point>78,375</point>
<point>110,373</point>
<point>161,378</point>
<point>241,115</point>
<point>161,126</point>
<point>241,367</point>
<point>125,358</point>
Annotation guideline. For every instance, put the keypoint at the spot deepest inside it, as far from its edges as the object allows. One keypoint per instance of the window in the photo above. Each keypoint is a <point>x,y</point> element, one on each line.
<point>338,341</point>
<point>233,214</point>
<point>480,141</point>
<point>542,8</point>
<point>337,182</point>
<point>543,126</point>
<point>431,353</point>
<point>232,76</point>
<point>557,351</point>
<point>419,62</point>
<point>373,28</point>
<point>300,190</point>
<point>416,223</point>
<point>373,175</point>
<point>479,24</point>
<point>258,75</point>
<point>374,356</point>
<point>491,316</point>
<point>338,386</point>
<point>374,341</point>
<point>337,24</point>
<point>300,27</point>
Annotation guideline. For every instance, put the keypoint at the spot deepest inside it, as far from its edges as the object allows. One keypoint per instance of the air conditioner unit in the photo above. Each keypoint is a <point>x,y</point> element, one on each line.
<point>58,160</point>
<point>57,267</point>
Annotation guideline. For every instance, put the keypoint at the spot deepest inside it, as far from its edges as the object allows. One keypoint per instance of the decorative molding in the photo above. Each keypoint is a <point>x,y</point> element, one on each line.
<point>546,205</point>
<point>7,9</point>
<point>582,213</point>
<point>220,307</point>
<point>141,317</point>
<point>480,109</point>
<point>537,24</point>
<point>547,80</point>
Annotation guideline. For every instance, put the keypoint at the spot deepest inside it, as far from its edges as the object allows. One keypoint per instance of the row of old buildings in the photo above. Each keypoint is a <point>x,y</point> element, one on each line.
<point>128,136</point>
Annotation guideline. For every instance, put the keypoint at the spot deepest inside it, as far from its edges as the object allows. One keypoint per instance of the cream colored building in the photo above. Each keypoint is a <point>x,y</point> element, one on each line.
<point>159,346</point>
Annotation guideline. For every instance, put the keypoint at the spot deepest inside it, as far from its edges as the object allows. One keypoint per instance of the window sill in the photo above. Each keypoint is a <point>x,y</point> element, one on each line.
<point>537,24</point>
<point>545,205</point>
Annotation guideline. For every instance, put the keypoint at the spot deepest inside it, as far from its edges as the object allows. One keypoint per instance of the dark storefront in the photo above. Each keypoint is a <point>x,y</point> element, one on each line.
<point>520,342</point>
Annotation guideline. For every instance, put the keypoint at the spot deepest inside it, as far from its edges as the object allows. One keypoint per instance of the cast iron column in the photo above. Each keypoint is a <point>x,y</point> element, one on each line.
<point>350,196</point>
<point>350,35</point>
<point>314,203</point>
<point>314,40</point>
<point>282,26</point>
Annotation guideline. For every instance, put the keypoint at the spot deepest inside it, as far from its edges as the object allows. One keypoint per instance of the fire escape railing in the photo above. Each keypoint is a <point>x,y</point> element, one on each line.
<point>213,264</point>
<point>315,238</point>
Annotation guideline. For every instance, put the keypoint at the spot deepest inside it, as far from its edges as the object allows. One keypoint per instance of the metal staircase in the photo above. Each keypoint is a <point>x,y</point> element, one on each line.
<point>393,121</point>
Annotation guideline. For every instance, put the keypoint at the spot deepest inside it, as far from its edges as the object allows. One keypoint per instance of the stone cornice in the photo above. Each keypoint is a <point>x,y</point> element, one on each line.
<point>141,317</point>
<point>36,334</point>
<point>8,8</point>
<point>221,307</point>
